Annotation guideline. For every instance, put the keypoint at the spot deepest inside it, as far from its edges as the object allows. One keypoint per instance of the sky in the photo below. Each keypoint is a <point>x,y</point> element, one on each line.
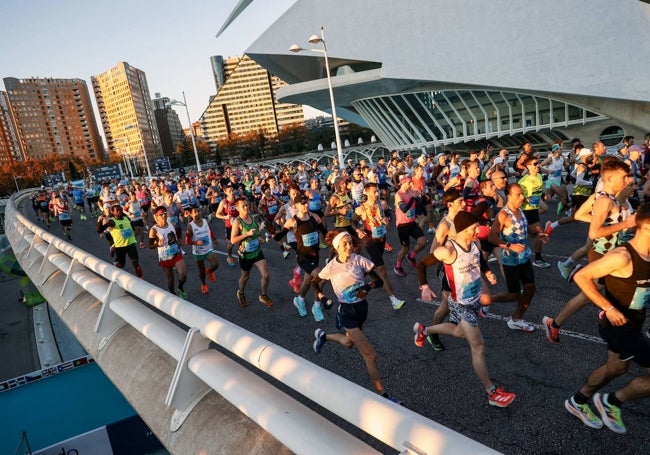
<point>170,40</point>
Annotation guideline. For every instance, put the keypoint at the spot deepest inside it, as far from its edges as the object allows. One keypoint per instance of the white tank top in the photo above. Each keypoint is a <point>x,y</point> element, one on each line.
<point>464,275</point>
<point>201,233</point>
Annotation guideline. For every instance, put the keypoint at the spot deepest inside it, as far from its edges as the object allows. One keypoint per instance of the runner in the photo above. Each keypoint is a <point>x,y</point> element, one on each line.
<point>461,259</point>
<point>406,225</point>
<point>200,237</point>
<point>121,230</point>
<point>162,236</point>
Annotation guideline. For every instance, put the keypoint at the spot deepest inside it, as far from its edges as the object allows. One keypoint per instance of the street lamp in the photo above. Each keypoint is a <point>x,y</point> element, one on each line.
<point>127,162</point>
<point>16,177</point>
<point>144,152</point>
<point>187,111</point>
<point>316,39</point>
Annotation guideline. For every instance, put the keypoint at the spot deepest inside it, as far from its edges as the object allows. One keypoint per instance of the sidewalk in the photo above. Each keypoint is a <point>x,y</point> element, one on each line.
<point>17,344</point>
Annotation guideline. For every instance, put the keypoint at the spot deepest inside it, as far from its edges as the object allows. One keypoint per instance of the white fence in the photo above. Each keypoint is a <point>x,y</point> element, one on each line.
<point>200,370</point>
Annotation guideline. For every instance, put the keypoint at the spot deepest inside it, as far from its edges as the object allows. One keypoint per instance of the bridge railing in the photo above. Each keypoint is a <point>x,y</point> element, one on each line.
<point>185,335</point>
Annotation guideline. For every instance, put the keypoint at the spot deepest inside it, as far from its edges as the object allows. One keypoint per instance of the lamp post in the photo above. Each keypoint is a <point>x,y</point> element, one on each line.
<point>16,177</point>
<point>144,152</point>
<point>189,121</point>
<point>321,39</point>
<point>126,161</point>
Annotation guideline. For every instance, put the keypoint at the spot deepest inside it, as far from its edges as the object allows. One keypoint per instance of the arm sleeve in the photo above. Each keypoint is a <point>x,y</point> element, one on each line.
<point>427,261</point>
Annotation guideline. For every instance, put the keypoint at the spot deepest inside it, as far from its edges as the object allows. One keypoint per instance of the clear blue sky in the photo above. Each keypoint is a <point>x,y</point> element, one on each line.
<point>171,41</point>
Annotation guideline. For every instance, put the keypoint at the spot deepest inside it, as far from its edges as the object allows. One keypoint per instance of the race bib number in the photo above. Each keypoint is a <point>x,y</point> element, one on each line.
<point>410,213</point>
<point>273,210</point>
<point>640,299</point>
<point>64,216</point>
<point>252,245</point>
<point>471,289</point>
<point>310,239</point>
<point>126,233</point>
<point>378,232</point>
<point>533,201</point>
<point>350,294</point>
<point>172,250</point>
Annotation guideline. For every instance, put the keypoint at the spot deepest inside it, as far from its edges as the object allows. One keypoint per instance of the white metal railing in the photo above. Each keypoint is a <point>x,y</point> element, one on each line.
<point>200,369</point>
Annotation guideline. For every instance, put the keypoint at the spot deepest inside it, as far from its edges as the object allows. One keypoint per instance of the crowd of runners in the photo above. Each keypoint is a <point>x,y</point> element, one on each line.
<point>470,217</point>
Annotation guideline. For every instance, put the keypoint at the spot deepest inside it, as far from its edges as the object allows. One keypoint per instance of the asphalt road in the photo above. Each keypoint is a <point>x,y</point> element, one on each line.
<point>440,386</point>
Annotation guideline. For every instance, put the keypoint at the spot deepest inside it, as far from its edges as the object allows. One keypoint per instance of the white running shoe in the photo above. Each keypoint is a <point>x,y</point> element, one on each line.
<point>520,324</point>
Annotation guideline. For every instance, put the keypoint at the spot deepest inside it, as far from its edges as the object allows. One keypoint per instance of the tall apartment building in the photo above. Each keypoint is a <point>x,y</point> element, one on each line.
<point>246,101</point>
<point>9,144</point>
<point>169,125</point>
<point>127,113</point>
<point>52,116</point>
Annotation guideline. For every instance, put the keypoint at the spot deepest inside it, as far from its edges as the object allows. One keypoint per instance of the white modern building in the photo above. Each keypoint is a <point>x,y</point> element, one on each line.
<point>462,72</point>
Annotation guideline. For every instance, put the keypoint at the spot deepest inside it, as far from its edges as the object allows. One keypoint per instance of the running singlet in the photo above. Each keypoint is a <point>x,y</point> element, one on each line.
<point>122,233</point>
<point>630,295</point>
<point>604,244</point>
<point>517,232</point>
<point>532,189</point>
<point>231,212</point>
<point>270,207</point>
<point>372,223</point>
<point>343,220</point>
<point>167,242</point>
<point>249,248</point>
<point>464,275</point>
<point>315,202</point>
<point>408,216</point>
<point>201,233</point>
<point>306,233</point>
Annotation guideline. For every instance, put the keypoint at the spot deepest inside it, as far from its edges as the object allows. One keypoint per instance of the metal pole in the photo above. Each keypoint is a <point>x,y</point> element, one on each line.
<point>339,150</point>
<point>196,154</point>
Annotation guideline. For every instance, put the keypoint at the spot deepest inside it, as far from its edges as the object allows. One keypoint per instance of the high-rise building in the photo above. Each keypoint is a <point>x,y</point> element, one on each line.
<point>127,114</point>
<point>52,116</point>
<point>246,102</point>
<point>169,125</point>
<point>9,144</point>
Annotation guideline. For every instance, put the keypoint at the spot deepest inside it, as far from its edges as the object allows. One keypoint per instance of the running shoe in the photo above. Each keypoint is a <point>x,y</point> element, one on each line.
<point>610,414</point>
<point>142,245</point>
<point>265,300</point>
<point>242,299</point>
<point>204,289</point>
<point>565,270</point>
<point>484,311</point>
<point>412,261</point>
<point>560,207</point>
<point>321,338</point>
<point>323,245</point>
<point>399,271</point>
<point>211,275</point>
<point>552,334</point>
<point>388,248</point>
<point>431,230</point>
<point>317,312</point>
<point>541,263</point>
<point>500,398</point>
<point>393,399</point>
<point>285,254</point>
<point>69,236</point>
<point>548,228</point>
<point>397,304</point>
<point>583,412</point>
<point>435,342</point>
<point>299,303</point>
<point>83,217</point>
<point>138,272</point>
<point>181,293</point>
<point>231,261</point>
<point>520,324</point>
<point>573,272</point>
<point>419,334</point>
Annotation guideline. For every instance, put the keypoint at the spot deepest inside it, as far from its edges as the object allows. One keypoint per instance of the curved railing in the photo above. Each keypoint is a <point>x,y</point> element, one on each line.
<point>81,287</point>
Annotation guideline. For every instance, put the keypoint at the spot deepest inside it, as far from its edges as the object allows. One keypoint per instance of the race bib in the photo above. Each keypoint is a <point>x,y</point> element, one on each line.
<point>640,299</point>
<point>252,245</point>
<point>410,213</point>
<point>350,293</point>
<point>470,289</point>
<point>314,204</point>
<point>64,216</point>
<point>310,239</point>
<point>378,232</point>
<point>533,201</point>
<point>172,250</point>
<point>126,233</point>
<point>273,210</point>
